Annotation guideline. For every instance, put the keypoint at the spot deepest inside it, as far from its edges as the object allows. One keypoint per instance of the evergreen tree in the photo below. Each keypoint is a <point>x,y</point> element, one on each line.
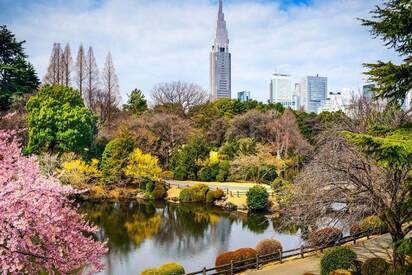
<point>393,24</point>
<point>17,75</point>
<point>137,103</point>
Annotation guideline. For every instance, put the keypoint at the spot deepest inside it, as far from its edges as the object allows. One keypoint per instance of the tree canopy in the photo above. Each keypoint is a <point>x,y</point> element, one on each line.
<point>59,122</point>
<point>17,75</point>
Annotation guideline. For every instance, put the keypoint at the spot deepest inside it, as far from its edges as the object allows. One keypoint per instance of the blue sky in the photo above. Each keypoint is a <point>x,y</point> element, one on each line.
<point>154,41</point>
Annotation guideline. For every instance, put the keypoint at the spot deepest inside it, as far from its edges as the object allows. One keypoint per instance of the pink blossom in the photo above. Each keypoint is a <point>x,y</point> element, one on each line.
<point>39,229</point>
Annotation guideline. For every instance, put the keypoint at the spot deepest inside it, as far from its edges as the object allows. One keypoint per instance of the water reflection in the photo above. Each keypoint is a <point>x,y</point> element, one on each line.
<point>143,235</point>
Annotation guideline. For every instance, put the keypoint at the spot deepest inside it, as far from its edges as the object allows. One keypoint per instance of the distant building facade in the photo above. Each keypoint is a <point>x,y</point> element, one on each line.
<point>220,60</point>
<point>282,90</point>
<point>243,95</point>
<point>337,101</point>
<point>317,89</point>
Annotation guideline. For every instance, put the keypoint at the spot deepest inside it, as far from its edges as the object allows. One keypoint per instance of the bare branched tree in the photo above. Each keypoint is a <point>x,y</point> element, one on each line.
<point>80,70</point>
<point>67,63</point>
<point>340,185</point>
<point>91,88</point>
<point>180,93</point>
<point>54,74</point>
<point>109,97</point>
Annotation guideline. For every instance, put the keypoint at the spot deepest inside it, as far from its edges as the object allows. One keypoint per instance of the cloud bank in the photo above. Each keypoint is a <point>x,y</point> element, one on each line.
<point>155,41</point>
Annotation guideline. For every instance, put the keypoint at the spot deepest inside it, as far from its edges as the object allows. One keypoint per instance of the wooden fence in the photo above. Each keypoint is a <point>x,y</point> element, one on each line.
<point>279,256</point>
<point>227,191</point>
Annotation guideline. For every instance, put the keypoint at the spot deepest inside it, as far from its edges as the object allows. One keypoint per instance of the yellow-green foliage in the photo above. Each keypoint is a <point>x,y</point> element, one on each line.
<point>374,224</point>
<point>340,272</point>
<point>195,193</point>
<point>166,269</point>
<point>78,172</point>
<point>142,166</point>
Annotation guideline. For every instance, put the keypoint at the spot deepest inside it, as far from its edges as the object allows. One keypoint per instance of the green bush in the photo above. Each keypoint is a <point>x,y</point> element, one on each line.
<point>224,168</point>
<point>150,186</point>
<point>401,270</point>
<point>58,121</point>
<point>209,173</point>
<point>257,198</point>
<point>171,269</point>
<point>337,258</point>
<point>374,266</point>
<point>199,192</point>
<point>159,191</point>
<point>115,157</point>
<point>166,269</point>
<point>186,195</point>
<point>213,195</point>
<point>373,224</point>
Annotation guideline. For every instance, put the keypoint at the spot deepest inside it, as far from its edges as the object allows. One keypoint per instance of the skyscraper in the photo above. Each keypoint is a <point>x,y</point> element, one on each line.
<point>220,60</point>
<point>243,95</point>
<point>282,91</point>
<point>317,89</point>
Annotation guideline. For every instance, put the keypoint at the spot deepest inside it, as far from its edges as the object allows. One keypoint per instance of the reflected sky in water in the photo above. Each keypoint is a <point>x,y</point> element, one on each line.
<point>147,235</point>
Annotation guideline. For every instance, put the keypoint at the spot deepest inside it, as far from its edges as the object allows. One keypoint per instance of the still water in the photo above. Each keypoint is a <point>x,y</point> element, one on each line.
<point>147,235</point>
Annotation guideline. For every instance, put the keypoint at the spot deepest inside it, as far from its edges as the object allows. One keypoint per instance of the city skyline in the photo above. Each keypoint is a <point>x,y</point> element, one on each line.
<point>276,36</point>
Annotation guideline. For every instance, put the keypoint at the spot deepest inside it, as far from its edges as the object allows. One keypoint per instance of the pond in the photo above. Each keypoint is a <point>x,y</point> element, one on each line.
<point>144,235</point>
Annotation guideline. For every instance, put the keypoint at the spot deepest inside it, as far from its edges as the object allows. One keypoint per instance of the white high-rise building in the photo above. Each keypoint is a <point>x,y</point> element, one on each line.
<point>337,101</point>
<point>283,91</point>
<point>220,60</point>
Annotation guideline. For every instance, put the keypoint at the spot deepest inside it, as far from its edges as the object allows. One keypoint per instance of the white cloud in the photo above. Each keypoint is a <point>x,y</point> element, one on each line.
<point>163,40</point>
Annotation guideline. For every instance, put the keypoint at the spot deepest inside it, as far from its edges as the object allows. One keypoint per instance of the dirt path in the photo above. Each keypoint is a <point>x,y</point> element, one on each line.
<point>378,246</point>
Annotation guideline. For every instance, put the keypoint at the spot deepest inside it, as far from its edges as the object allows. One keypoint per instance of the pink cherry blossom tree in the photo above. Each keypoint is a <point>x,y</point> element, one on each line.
<point>39,229</point>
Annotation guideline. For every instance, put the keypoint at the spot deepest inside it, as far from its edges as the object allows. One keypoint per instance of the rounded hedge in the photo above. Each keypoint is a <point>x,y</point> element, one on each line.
<point>268,246</point>
<point>373,224</point>
<point>186,195</point>
<point>324,236</point>
<point>213,195</point>
<point>337,258</point>
<point>166,269</point>
<point>235,256</point>
<point>171,269</point>
<point>257,198</point>
<point>374,266</point>
<point>340,272</point>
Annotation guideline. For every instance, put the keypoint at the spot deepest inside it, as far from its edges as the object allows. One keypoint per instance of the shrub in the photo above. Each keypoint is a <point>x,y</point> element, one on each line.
<point>373,224</point>
<point>142,167</point>
<point>401,270</point>
<point>340,272</point>
<point>355,229</point>
<point>199,192</point>
<point>159,191</point>
<point>337,258</point>
<point>186,195</point>
<point>257,198</point>
<point>78,173</point>
<point>115,157</point>
<point>213,195</point>
<point>150,186</point>
<point>150,271</point>
<point>209,172</point>
<point>223,173</point>
<point>268,246</point>
<point>171,269</point>
<point>235,256</point>
<point>374,266</point>
<point>324,236</point>
<point>166,269</point>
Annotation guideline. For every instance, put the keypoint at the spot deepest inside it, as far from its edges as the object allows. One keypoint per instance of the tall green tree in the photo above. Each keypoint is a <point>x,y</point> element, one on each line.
<point>392,22</point>
<point>59,122</point>
<point>137,104</point>
<point>17,75</point>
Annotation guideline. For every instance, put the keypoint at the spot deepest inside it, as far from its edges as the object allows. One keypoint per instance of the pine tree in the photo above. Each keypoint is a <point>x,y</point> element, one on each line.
<point>109,97</point>
<point>137,103</point>
<point>80,70</point>
<point>91,88</point>
<point>17,75</point>
<point>393,24</point>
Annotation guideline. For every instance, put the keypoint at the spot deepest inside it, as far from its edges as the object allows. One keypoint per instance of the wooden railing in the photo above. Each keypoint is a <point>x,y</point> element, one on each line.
<point>278,256</point>
<point>227,191</point>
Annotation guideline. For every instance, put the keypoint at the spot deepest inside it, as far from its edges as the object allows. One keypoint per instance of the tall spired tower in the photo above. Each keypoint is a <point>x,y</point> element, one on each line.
<point>220,60</point>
